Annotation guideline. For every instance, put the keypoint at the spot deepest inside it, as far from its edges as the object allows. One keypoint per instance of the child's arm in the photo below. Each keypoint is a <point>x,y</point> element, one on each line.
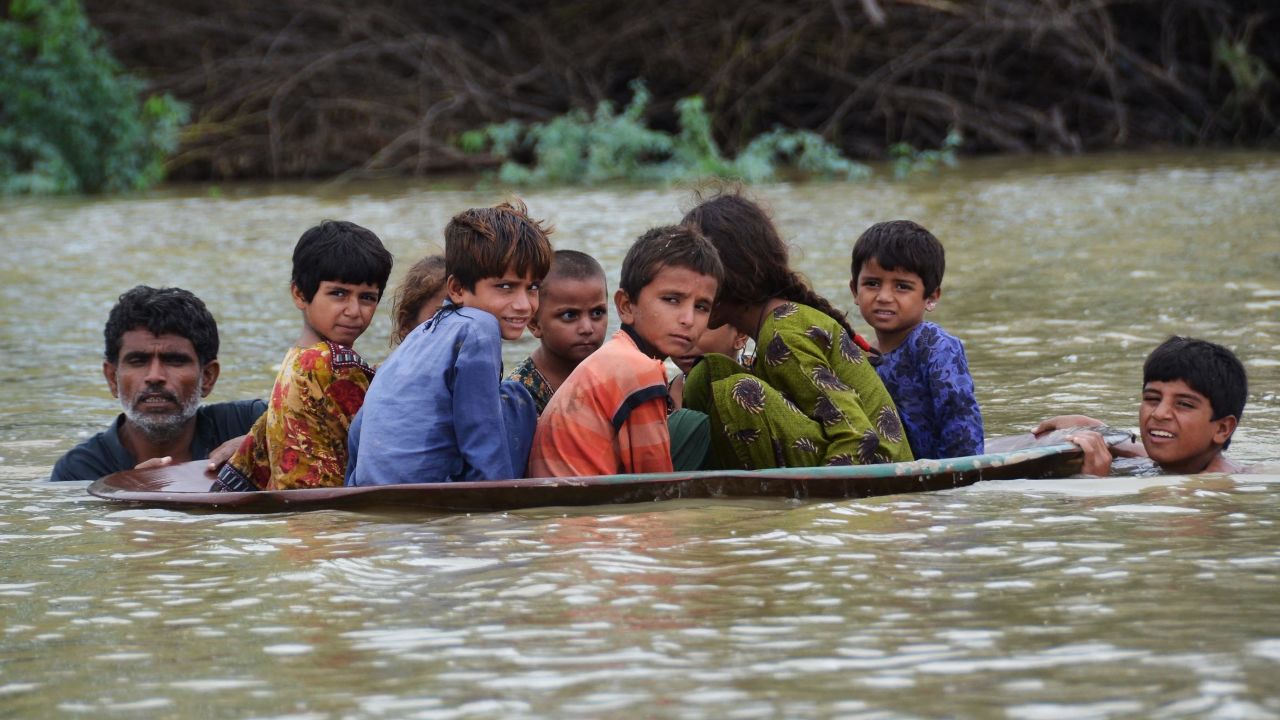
<point>644,440</point>
<point>955,406</point>
<point>813,385</point>
<point>478,418</point>
<point>314,436</point>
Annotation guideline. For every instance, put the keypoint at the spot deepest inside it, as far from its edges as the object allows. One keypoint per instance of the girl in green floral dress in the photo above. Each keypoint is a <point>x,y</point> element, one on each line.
<point>812,396</point>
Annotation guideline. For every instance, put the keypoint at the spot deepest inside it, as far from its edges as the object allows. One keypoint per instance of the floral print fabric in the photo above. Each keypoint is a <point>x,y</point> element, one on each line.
<point>811,398</point>
<point>301,440</point>
<point>526,373</point>
<point>928,377</point>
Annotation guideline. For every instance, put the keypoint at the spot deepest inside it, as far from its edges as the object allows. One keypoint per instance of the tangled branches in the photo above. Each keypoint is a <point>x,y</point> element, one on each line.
<point>326,87</point>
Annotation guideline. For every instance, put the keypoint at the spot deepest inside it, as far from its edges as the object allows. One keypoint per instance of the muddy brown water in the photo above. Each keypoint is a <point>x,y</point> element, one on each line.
<point>1149,596</point>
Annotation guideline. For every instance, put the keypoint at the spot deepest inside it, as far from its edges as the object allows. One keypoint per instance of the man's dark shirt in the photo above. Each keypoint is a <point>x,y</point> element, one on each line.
<point>103,454</point>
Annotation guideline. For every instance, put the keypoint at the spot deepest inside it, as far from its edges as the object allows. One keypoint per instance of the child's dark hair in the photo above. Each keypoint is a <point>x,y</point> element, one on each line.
<point>484,242</point>
<point>1208,368</point>
<point>573,265</point>
<point>756,266</point>
<point>423,282</point>
<point>339,251</point>
<point>901,245</point>
<point>171,311</point>
<point>668,246</point>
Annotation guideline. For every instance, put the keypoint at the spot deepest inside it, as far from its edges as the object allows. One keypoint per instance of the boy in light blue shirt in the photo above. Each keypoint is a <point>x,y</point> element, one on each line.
<point>438,410</point>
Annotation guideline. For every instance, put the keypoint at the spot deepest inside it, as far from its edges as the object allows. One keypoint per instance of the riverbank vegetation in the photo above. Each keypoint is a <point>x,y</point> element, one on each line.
<point>327,88</point>
<point>71,119</point>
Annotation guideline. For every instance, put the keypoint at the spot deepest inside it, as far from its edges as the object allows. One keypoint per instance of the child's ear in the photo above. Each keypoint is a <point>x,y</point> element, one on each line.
<point>299,301</point>
<point>535,329</point>
<point>931,300</point>
<point>455,289</point>
<point>1223,427</point>
<point>853,289</point>
<point>622,301</point>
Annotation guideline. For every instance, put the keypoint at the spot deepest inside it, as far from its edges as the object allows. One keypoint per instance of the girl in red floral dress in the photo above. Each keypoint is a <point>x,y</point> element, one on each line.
<point>339,272</point>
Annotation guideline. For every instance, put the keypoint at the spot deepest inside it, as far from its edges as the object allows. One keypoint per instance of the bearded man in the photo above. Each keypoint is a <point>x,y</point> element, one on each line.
<point>161,358</point>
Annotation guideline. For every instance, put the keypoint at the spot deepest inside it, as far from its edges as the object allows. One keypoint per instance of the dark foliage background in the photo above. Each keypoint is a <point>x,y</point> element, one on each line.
<point>324,87</point>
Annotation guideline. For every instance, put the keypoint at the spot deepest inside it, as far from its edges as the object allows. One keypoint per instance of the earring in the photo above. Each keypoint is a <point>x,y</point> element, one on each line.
<point>929,306</point>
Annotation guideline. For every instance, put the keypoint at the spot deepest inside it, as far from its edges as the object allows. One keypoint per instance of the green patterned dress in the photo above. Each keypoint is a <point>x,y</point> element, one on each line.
<point>811,398</point>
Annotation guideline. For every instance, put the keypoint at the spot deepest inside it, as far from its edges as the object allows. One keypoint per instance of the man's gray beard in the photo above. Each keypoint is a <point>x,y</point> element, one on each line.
<point>161,429</point>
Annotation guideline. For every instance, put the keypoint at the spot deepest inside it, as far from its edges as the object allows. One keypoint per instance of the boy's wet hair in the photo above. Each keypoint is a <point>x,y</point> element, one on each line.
<point>484,242</point>
<point>573,265</point>
<point>668,246</point>
<point>756,264</point>
<point>904,246</point>
<point>339,251</point>
<point>1208,368</point>
<point>423,281</point>
<point>162,311</point>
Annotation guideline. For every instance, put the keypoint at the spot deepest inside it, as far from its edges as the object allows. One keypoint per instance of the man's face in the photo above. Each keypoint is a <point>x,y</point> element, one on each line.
<point>159,381</point>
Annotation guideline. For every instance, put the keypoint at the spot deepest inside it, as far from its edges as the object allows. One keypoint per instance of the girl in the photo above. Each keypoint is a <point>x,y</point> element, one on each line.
<point>812,396</point>
<point>419,296</point>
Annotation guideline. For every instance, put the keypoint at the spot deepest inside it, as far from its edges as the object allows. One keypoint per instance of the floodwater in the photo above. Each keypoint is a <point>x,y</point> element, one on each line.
<point>1097,598</point>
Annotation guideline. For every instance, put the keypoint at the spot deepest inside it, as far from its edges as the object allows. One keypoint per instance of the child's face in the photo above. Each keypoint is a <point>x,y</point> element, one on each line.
<point>339,312</point>
<point>725,340</point>
<point>512,298</point>
<point>571,319</point>
<point>891,301</point>
<point>1177,429</point>
<point>671,312</point>
<point>430,307</point>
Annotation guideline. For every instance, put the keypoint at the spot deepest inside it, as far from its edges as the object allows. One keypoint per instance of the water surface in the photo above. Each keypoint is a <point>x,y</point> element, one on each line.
<point>1155,596</point>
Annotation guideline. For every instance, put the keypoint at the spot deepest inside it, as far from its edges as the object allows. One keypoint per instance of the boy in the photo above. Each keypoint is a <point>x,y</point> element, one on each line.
<point>438,410</point>
<point>1193,394</point>
<point>339,272</point>
<point>610,416</point>
<point>572,315</point>
<point>896,277</point>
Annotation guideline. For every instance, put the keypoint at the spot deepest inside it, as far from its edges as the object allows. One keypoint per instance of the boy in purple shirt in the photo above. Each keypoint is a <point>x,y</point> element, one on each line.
<point>896,278</point>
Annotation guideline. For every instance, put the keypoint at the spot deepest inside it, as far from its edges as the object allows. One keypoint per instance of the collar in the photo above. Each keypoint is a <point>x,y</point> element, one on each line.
<point>641,344</point>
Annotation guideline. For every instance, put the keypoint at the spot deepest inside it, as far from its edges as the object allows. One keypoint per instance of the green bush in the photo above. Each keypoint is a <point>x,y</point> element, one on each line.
<point>584,149</point>
<point>71,120</point>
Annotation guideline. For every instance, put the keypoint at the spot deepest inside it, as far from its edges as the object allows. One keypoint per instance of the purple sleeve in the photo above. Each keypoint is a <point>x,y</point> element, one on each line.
<point>954,404</point>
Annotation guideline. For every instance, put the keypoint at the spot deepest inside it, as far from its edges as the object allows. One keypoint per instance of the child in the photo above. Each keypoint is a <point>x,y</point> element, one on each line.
<point>726,340</point>
<point>1193,394</point>
<point>572,315</point>
<point>895,278</point>
<point>419,296</point>
<point>438,410</point>
<point>339,272</point>
<point>610,416</point>
<point>811,397</point>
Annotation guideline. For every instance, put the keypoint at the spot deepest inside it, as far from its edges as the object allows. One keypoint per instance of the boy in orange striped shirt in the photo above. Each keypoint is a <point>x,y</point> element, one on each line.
<point>610,415</point>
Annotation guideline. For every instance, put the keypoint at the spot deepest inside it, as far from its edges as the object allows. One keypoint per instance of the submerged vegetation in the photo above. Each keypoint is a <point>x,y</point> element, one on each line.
<point>71,120</point>
<point>582,148</point>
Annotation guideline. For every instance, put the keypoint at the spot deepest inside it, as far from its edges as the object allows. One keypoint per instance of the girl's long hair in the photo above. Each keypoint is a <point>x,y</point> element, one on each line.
<point>756,263</point>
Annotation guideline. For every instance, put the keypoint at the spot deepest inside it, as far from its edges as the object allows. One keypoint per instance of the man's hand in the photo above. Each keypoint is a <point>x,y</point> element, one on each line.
<point>223,453</point>
<point>1065,421</point>
<point>154,463</point>
<point>1097,456</point>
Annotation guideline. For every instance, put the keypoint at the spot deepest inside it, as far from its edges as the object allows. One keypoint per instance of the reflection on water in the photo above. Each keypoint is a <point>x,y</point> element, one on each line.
<point>1137,596</point>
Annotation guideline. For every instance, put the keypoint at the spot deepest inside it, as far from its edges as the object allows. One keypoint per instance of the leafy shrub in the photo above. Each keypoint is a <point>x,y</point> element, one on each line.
<point>582,148</point>
<point>71,120</point>
<point>907,160</point>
